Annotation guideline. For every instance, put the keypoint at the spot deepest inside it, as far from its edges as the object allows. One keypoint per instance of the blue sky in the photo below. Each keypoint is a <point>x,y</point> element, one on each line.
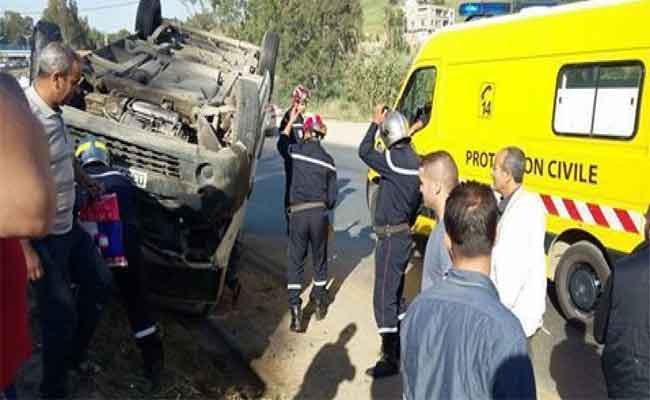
<point>118,14</point>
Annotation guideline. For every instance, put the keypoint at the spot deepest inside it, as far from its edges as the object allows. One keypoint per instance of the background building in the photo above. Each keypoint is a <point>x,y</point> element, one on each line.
<point>423,17</point>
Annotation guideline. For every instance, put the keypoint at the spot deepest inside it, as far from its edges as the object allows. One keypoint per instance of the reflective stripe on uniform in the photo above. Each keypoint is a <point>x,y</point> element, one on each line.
<point>145,332</point>
<point>398,170</point>
<point>312,161</point>
<point>85,146</point>
<point>105,174</point>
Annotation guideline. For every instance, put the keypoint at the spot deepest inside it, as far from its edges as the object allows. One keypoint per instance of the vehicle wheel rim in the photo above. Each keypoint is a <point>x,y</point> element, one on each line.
<point>584,287</point>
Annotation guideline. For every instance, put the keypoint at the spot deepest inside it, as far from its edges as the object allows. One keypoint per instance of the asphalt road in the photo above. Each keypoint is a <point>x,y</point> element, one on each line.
<point>329,359</point>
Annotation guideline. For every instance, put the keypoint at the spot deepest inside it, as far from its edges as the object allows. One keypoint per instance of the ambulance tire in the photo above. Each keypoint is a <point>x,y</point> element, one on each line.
<point>269,56</point>
<point>371,198</point>
<point>580,279</point>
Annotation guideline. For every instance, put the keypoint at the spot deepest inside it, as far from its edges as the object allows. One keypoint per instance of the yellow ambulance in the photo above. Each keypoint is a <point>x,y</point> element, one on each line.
<point>567,85</point>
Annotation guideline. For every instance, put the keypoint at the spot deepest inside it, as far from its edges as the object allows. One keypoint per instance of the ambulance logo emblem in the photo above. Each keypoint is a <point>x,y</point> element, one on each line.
<point>486,100</point>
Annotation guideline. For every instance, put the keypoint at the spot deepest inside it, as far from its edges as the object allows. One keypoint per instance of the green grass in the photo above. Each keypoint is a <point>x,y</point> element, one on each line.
<point>373,17</point>
<point>341,110</point>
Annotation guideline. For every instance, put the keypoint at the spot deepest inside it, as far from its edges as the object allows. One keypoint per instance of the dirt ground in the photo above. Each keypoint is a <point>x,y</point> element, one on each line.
<point>198,363</point>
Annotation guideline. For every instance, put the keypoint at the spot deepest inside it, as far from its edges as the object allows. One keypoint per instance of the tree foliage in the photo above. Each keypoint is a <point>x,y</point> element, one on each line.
<point>219,15</point>
<point>395,26</point>
<point>373,80</point>
<point>121,34</point>
<point>75,30</point>
<point>316,39</point>
<point>15,29</point>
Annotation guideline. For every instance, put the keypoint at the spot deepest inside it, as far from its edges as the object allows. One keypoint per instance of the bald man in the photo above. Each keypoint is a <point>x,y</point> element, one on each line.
<point>438,177</point>
<point>27,201</point>
<point>27,206</point>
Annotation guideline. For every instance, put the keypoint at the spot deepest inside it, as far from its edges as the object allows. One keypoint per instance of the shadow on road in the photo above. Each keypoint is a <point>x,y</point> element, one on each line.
<point>329,368</point>
<point>575,381</point>
<point>348,251</point>
<point>343,190</point>
<point>263,307</point>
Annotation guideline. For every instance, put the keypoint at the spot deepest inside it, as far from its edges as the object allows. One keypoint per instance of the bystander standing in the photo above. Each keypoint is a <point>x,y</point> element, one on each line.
<point>67,253</point>
<point>518,258</point>
<point>622,323</point>
<point>438,177</point>
<point>26,210</point>
<point>458,340</point>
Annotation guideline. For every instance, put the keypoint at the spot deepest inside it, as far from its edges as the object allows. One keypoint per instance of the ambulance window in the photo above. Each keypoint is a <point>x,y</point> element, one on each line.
<point>598,100</point>
<point>617,100</point>
<point>417,100</point>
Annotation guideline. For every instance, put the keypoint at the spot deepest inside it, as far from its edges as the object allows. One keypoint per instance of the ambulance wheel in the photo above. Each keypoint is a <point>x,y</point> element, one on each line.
<point>580,279</point>
<point>371,198</point>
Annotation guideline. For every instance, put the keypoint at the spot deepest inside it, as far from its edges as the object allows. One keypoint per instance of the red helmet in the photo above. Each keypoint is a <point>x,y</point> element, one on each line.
<point>300,94</point>
<point>315,124</point>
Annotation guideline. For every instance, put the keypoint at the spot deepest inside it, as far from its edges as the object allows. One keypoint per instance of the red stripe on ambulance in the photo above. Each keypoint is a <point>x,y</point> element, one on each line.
<point>589,213</point>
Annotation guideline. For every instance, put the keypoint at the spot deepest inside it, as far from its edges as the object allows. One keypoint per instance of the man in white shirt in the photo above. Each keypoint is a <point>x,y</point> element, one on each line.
<point>518,259</point>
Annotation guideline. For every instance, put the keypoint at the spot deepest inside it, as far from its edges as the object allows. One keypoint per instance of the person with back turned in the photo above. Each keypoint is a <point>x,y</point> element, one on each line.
<point>312,193</point>
<point>398,200</point>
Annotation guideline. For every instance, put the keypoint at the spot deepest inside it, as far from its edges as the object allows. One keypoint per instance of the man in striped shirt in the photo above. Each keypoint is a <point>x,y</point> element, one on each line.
<point>67,254</point>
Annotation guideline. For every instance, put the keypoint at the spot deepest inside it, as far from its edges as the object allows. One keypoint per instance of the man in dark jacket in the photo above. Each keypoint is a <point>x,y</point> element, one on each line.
<point>312,193</point>
<point>291,131</point>
<point>95,160</point>
<point>458,340</point>
<point>398,200</point>
<point>622,323</point>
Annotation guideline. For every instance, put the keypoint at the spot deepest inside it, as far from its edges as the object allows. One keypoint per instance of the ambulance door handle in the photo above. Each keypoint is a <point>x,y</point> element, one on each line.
<point>559,100</point>
<point>632,101</point>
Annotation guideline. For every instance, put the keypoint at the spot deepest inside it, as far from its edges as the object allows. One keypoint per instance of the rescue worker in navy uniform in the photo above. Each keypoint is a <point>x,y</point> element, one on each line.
<point>398,200</point>
<point>313,192</point>
<point>95,160</point>
<point>291,131</point>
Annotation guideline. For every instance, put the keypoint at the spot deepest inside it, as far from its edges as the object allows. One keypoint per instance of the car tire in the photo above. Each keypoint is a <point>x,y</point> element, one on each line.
<point>248,124</point>
<point>45,32</point>
<point>580,279</point>
<point>148,18</point>
<point>269,56</point>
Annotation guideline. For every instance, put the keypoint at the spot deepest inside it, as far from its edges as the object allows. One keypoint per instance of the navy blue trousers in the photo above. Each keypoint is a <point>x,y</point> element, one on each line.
<point>68,322</point>
<point>307,228</point>
<point>391,258</point>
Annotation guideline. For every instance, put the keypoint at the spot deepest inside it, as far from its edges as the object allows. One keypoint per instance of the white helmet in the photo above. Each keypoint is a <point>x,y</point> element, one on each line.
<point>394,128</point>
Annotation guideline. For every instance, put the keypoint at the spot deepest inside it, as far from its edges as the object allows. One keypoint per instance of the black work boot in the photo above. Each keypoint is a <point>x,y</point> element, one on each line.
<point>296,318</point>
<point>322,302</point>
<point>153,357</point>
<point>388,364</point>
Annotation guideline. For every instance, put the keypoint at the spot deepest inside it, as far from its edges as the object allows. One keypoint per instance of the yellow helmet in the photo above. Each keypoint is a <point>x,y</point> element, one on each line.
<point>91,150</point>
